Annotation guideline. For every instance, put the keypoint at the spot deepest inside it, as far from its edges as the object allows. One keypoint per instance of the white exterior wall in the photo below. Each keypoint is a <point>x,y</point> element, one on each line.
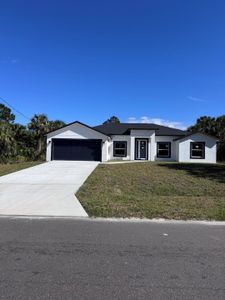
<point>114,138</point>
<point>77,131</point>
<point>180,150</point>
<point>145,134</point>
<point>130,139</point>
<point>152,147</point>
<point>105,153</point>
<point>210,149</point>
<point>177,151</point>
<point>173,147</point>
<point>132,148</point>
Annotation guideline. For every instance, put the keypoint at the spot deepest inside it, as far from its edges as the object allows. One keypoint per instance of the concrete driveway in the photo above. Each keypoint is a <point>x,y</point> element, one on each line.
<point>45,190</point>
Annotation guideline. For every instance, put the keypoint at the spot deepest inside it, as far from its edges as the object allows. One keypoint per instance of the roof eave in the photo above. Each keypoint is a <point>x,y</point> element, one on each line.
<point>197,132</point>
<point>78,122</point>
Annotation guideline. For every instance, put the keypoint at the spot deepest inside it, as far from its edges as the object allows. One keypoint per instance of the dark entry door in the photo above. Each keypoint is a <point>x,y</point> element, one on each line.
<point>141,149</point>
<point>73,149</point>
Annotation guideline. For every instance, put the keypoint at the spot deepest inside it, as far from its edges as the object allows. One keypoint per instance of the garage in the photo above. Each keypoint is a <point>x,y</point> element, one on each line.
<point>77,149</point>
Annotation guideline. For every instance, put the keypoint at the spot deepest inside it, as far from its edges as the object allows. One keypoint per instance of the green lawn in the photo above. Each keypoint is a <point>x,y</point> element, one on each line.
<point>13,167</point>
<point>153,190</point>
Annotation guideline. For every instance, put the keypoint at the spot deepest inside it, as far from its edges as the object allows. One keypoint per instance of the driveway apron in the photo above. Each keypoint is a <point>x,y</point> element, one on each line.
<point>45,190</point>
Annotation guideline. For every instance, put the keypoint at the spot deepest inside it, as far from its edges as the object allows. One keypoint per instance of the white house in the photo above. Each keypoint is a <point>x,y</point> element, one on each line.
<point>127,141</point>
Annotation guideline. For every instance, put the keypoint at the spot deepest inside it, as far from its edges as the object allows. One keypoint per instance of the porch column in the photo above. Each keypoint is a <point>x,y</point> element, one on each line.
<point>152,147</point>
<point>149,149</point>
<point>132,148</point>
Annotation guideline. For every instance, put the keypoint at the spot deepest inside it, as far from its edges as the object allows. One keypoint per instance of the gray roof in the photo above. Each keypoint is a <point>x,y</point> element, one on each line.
<point>124,129</point>
<point>75,123</point>
<point>196,132</point>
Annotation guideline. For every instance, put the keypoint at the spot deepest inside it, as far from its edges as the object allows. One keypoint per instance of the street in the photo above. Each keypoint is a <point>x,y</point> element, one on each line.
<point>86,259</point>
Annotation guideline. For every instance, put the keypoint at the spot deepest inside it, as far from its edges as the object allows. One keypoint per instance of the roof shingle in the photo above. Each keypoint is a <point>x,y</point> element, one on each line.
<point>124,129</point>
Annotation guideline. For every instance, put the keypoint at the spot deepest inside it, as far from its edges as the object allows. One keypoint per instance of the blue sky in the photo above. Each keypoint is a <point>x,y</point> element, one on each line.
<point>160,61</point>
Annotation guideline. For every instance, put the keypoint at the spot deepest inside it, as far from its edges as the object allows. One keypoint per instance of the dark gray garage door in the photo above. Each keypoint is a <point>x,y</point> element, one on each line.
<point>69,149</point>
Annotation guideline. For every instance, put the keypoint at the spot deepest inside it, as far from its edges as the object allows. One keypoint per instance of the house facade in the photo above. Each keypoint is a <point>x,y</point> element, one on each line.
<point>127,141</point>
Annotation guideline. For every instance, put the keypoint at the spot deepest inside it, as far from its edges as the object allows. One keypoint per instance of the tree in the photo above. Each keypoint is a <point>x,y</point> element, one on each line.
<point>206,125</point>
<point>6,114</point>
<point>25,140</point>
<point>113,119</point>
<point>39,126</point>
<point>7,142</point>
<point>220,126</point>
<point>53,125</point>
<point>220,123</point>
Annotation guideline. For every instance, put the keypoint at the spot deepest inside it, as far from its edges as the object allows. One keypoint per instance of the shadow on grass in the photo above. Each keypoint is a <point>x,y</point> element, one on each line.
<point>209,171</point>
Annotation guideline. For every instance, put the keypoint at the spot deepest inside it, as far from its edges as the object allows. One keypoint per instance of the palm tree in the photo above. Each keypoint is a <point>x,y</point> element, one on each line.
<point>6,114</point>
<point>206,125</point>
<point>7,142</point>
<point>39,126</point>
<point>53,125</point>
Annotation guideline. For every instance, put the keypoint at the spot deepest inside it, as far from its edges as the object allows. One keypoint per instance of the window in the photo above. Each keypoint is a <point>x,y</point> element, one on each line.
<point>164,149</point>
<point>198,150</point>
<point>119,149</point>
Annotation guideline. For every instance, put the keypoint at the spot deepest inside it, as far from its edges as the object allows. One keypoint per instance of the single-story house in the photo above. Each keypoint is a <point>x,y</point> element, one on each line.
<point>129,141</point>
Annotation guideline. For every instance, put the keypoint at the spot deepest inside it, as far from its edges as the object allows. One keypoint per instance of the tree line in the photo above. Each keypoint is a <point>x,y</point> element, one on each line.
<point>19,142</point>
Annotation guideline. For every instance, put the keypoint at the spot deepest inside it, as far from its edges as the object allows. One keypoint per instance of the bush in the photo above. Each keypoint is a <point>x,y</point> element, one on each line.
<point>221,152</point>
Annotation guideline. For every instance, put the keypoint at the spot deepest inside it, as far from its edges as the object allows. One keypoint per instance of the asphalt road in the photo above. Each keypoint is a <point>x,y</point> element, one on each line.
<point>75,259</point>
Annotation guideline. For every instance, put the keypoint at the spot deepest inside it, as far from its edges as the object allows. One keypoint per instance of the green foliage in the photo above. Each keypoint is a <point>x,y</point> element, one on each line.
<point>7,142</point>
<point>221,136</point>
<point>21,143</point>
<point>214,127</point>
<point>113,119</point>
<point>53,125</point>
<point>26,143</point>
<point>39,127</point>
<point>6,114</point>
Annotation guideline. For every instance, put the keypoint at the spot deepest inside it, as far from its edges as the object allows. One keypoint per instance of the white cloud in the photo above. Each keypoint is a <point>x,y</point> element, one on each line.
<point>195,99</point>
<point>144,119</point>
<point>8,61</point>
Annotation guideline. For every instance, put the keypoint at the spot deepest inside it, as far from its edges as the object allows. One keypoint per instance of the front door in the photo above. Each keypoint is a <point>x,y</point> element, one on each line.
<point>142,149</point>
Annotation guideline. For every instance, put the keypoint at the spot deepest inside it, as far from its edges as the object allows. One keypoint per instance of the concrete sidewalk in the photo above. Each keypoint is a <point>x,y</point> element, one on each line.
<point>45,190</point>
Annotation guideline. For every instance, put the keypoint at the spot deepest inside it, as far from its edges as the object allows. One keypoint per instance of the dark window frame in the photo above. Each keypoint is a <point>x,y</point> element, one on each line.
<point>203,150</point>
<point>114,149</point>
<point>169,149</point>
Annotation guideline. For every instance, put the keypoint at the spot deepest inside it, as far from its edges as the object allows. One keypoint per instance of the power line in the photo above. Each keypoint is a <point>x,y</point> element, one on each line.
<point>15,109</point>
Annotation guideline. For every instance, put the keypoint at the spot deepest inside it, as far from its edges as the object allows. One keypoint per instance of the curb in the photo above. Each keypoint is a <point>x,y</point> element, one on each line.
<point>118,220</point>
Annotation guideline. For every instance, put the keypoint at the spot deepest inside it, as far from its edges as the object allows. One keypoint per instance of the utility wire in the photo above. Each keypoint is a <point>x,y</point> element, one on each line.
<point>13,108</point>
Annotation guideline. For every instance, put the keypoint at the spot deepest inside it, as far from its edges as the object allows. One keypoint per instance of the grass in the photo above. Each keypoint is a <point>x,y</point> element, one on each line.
<point>13,167</point>
<point>156,190</point>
